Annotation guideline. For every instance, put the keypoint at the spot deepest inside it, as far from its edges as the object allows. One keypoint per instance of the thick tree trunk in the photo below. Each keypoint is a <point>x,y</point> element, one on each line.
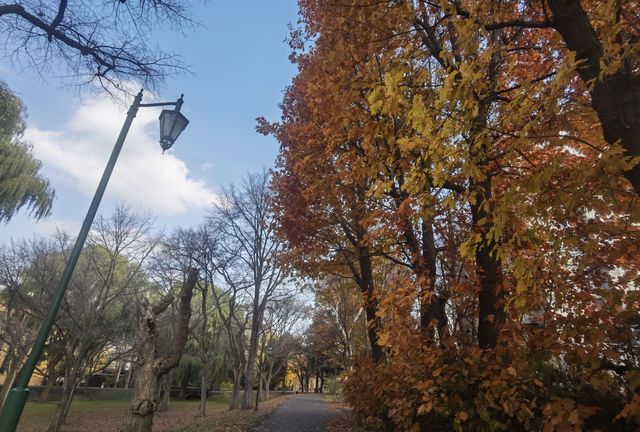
<point>151,367</point>
<point>491,314</point>
<point>615,97</point>
<point>370,301</point>
<point>144,400</point>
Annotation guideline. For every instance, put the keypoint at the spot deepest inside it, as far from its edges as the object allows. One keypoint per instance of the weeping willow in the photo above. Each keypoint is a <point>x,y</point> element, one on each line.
<point>21,186</point>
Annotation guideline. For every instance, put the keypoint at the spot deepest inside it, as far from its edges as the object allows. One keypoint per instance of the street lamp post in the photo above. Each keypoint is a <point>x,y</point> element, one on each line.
<point>172,123</point>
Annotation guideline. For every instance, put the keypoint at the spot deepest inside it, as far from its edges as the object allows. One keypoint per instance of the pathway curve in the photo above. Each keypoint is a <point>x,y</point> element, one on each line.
<point>301,413</point>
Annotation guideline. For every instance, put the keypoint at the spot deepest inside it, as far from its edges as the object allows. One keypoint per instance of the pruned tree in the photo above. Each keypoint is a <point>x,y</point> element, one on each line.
<point>151,366</point>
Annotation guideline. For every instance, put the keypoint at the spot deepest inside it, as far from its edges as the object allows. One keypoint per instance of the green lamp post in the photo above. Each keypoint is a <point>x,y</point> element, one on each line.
<point>172,123</point>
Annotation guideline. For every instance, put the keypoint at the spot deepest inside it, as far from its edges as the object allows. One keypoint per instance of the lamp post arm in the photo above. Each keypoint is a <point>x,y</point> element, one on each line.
<point>177,104</point>
<point>158,104</point>
<point>17,397</point>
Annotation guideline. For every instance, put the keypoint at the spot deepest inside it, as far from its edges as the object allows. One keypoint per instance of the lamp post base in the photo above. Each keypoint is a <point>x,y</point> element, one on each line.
<point>12,409</point>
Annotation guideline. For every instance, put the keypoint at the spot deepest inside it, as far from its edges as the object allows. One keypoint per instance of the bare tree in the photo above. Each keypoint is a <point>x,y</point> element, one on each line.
<point>90,41</point>
<point>277,338</point>
<point>96,314</point>
<point>245,223</point>
<point>198,247</point>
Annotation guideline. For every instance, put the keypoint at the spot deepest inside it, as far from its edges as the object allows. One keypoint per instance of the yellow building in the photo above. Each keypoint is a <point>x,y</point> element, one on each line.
<point>36,379</point>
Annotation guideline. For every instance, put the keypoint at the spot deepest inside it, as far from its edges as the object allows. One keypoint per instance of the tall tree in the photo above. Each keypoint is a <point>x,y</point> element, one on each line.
<point>461,137</point>
<point>245,222</point>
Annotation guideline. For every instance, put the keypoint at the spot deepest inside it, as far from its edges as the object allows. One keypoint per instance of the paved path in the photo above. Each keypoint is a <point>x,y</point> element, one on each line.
<point>301,413</point>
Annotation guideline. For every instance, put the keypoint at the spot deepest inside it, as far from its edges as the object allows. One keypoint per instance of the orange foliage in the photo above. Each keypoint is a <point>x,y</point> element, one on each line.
<point>460,144</point>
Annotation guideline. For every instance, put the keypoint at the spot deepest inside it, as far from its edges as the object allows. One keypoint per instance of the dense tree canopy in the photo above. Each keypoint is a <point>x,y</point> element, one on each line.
<point>477,160</point>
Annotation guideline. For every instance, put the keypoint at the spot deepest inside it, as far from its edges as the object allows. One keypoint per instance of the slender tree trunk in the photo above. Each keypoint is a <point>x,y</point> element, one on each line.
<point>204,357</point>
<point>235,392</point>
<point>127,382</point>
<point>247,397</point>
<point>44,396</point>
<point>164,393</point>
<point>9,378</point>
<point>62,409</point>
<point>117,378</point>
<point>267,384</point>
<point>203,392</point>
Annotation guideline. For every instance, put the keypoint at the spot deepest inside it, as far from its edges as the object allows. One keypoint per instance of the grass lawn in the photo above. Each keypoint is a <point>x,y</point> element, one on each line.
<point>109,415</point>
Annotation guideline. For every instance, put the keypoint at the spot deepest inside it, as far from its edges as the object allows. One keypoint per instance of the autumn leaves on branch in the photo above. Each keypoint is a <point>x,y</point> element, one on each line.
<point>485,151</point>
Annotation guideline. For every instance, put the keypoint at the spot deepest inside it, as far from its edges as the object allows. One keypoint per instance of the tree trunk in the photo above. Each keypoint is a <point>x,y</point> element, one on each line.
<point>144,400</point>
<point>164,393</point>
<point>62,409</point>
<point>267,384</point>
<point>235,392</point>
<point>127,382</point>
<point>151,367</point>
<point>371,302</point>
<point>491,314</point>
<point>247,397</point>
<point>615,97</point>
<point>44,396</point>
<point>203,392</point>
<point>117,378</point>
<point>9,378</point>
<point>204,357</point>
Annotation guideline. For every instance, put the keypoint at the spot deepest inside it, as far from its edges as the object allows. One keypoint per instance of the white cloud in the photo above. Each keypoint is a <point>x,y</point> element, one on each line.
<point>143,176</point>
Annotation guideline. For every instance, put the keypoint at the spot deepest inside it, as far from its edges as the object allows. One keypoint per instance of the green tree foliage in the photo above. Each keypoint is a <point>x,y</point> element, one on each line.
<point>21,185</point>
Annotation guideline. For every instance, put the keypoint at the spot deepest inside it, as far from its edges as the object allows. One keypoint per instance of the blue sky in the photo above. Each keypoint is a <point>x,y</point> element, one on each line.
<point>240,67</point>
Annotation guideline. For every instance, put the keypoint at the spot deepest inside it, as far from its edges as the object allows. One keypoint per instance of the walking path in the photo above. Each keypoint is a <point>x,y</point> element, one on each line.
<point>301,413</point>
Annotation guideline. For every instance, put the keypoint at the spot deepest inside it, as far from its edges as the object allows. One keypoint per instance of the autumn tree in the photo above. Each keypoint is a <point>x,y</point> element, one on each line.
<point>458,135</point>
